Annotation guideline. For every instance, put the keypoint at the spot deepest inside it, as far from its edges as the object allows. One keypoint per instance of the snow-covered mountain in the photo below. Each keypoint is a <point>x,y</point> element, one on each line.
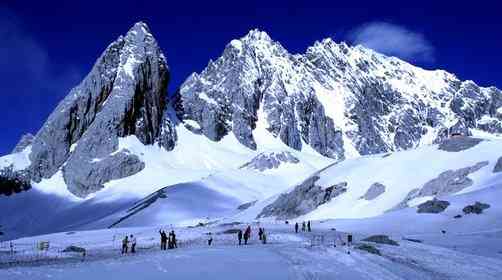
<point>241,140</point>
<point>342,101</point>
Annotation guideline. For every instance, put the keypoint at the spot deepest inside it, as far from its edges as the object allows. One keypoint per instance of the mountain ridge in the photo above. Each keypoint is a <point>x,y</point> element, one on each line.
<point>338,100</point>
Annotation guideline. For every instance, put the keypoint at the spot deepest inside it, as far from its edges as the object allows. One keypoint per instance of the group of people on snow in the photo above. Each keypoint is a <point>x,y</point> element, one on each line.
<point>125,244</point>
<point>305,226</point>
<point>167,241</point>
<point>246,235</point>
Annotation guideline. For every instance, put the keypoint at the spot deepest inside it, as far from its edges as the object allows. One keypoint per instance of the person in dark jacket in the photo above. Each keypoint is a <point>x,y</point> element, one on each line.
<point>296,227</point>
<point>309,229</point>
<point>247,235</point>
<point>210,240</point>
<point>163,240</point>
<point>173,240</point>
<point>125,245</point>
<point>260,233</point>
<point>239,236</point>
<point>263,236</point>
<point>303,226</point>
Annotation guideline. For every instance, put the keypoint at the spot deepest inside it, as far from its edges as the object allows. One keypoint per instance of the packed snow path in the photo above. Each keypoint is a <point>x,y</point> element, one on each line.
<point>287,256</point>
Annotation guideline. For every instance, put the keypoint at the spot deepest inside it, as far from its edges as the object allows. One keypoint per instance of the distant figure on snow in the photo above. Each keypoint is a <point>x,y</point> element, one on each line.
<point>172,240</point>
<point>133,243</point>
<point>210,240</point>
<point>303,226</point>
<point>163,240</point>
<point>239,236</point>
<point>260,233</point>
<point>308,227</point>
<point>247,235</point>
<point>175,241</point>
<point>263,236</point>
<point>125,245</point>
<point>296,227</point>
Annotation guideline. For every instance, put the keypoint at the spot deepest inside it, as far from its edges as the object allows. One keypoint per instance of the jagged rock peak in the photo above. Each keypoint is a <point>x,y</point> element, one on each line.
<point>340,100</point>
<point>124,94</point>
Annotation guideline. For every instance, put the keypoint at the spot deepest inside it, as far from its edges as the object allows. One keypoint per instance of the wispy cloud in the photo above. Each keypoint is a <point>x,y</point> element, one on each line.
<point>25,64</point>
<point>395,40</point>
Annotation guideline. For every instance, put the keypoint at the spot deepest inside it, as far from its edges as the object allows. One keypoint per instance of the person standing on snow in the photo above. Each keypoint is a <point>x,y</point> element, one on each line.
<point>163,240</point>
<point>247,235</point>
<point>303,226</point>
<point>260,233</point>
<point>125,245</point>
<point>239,236</point>
<point>133,243</point>
<point>296,227</point>
<point>173,240</point>
<point>263,236</point>
<point>308,227</point>
<point>210,240</point>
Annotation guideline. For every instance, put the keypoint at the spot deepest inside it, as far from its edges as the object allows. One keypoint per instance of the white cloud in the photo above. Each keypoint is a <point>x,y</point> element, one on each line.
<point>395,40</point>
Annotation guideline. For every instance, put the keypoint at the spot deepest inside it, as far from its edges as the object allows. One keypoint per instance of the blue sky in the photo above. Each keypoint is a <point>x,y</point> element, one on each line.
<point>47,47</point>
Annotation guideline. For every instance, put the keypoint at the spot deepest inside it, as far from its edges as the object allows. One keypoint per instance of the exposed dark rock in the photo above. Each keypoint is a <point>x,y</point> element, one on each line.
<point>246,205</point>
<point>231,231</point>
<point>433,206</point>
<point>498,166</point>
<point>271,160</point>
<point>381,239</point>
<point>230,224</point>
<point>413,240</point>
<point>457,216</point>
<point>141,205</point>
<point>74,249</point>
<point>459,143</point>
<point>451,181</point>
<point>476,208</point>
<point>375,190</point>
<point>369,248</point>
<point>13,181</point>
<point>304,198</point>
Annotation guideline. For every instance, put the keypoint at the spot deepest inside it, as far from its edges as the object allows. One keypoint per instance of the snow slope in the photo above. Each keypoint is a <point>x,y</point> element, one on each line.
<point>196,168</point>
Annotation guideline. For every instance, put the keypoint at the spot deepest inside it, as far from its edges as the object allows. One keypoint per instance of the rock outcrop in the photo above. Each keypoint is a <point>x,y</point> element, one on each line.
<point>123,95</point>
<point>302,199</point>
<point>447,183</point>
<point>498,166</point>
<point>381,239</point>
<point>458,143</point>
<point>476,208</point>
<point>375,190</point>
<point>265,161</point>
<point>433,206</point>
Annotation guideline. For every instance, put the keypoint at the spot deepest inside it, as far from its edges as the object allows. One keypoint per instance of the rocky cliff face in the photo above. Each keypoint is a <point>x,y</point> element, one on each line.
<point>340,100</point>
<point>124,94</point>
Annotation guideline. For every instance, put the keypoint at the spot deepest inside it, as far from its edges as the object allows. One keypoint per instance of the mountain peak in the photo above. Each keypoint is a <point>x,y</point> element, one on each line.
<point>256,34</point>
